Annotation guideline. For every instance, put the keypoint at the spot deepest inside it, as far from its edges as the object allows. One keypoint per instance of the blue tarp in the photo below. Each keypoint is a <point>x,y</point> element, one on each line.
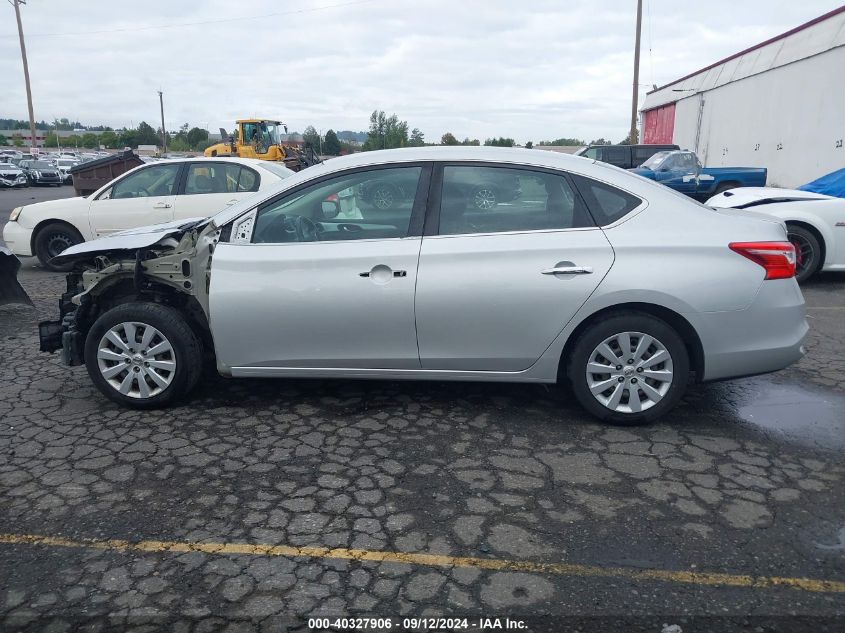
<point>833,184</point>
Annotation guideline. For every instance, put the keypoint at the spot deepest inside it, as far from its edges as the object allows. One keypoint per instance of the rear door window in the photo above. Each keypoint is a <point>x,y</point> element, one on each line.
<point>481,199</point>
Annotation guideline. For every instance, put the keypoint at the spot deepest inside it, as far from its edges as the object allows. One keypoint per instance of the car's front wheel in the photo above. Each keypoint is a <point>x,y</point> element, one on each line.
<point>52,240</point>
<point>143,355</point>
<point>629,368</point>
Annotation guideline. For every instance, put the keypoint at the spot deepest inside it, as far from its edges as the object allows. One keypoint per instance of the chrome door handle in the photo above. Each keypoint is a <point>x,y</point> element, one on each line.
<point>568,270</point>
<point>161,205</point>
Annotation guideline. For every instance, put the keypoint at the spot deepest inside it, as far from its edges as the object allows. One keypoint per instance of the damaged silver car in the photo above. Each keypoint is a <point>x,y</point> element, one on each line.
<point>586,274</point>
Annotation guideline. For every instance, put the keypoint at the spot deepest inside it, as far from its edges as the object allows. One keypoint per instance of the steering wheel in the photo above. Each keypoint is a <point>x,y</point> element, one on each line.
<point>289,228</point>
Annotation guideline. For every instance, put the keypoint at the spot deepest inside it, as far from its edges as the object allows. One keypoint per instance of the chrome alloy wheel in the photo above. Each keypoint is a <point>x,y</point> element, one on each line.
<point>484,199</point>
<point>629,372</point>
<point>136,359</point>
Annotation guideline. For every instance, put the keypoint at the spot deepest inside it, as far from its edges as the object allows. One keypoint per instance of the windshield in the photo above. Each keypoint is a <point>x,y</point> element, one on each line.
<point>39,164</point>
<point>653,162</point>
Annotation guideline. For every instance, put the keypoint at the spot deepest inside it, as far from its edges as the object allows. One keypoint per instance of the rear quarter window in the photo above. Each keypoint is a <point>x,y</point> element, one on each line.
<point>606,203</point>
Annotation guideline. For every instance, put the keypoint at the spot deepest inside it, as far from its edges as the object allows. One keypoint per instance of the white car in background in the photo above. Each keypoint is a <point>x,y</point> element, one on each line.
<point>815,223</point>
<point>149,194</point>
<point>64,165</point>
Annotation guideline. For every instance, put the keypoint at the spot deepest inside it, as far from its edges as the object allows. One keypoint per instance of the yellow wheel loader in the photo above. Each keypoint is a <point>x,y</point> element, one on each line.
<point>262,138</point>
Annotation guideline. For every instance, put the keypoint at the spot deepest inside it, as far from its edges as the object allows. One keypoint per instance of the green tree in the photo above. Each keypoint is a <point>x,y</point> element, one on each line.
<point>449,139</point>
<point>17,140</point>
<point>467,141</point>
<point>311,137</point>
<point>128,138</point>
<point>178,144</point>
<point>146,135</point>
<point>630,141</point>
<point>51,140</point>
<point>90,140</point>
<point>196,136</point>
<point>386,132</point>
<point>499,142</point>
<point>331,144</point>
<point>3,140</point>
<point>564,141</point>
<point>529,145</point>
<point>600,141</point>
<point>417,138</point>
<point>73,140</point>
<point>109,139</point>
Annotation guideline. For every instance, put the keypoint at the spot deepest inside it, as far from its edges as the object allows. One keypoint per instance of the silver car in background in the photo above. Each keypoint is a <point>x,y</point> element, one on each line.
<point>587,274</point>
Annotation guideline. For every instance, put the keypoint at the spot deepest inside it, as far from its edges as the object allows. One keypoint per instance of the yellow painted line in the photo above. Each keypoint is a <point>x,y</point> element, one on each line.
<point>437,560</point>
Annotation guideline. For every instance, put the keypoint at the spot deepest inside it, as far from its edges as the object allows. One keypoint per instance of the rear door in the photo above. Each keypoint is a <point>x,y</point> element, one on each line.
<point>144,196</point>
<point>496,286</point>
<point>210,186</point>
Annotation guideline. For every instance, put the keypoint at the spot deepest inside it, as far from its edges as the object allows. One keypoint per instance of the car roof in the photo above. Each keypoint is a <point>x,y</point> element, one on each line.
<point>514,155</point>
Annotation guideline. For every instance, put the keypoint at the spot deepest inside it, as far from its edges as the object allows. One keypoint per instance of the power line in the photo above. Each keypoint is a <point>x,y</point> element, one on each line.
<point>202,23</point>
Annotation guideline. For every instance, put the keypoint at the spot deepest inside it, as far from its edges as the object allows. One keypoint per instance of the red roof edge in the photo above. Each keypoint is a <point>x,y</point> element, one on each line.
<point>806,25</point>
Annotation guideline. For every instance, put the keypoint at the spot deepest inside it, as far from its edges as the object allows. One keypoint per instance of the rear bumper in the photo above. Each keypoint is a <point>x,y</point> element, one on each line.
<point>17,239</point>
<point>767,336</point>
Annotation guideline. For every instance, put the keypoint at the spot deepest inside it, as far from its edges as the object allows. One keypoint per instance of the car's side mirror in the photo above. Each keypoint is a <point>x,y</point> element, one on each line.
<point>330,209</point>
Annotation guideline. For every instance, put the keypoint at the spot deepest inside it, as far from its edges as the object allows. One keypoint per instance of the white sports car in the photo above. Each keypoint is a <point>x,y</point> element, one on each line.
<point>163,191</point>
<point>815,223</point>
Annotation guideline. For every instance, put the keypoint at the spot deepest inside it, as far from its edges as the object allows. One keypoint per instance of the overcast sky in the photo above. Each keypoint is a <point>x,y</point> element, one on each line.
<point>530,69</point>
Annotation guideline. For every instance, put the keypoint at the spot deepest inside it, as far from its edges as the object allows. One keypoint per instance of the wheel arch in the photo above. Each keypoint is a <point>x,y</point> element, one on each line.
<point>682,326</point>
<point>120,289</point>
<point>816,233</point>
<point>33,236</point>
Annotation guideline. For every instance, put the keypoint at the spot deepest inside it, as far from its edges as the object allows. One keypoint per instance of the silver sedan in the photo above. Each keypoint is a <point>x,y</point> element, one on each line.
<point>440,263</point>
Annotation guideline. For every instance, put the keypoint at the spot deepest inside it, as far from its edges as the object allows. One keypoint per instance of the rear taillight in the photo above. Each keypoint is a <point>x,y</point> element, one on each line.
<point>777,258</point>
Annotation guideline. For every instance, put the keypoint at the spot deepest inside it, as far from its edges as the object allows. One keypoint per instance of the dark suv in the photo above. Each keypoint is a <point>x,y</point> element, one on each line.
<point>624,156</point>
<point>40,172</point>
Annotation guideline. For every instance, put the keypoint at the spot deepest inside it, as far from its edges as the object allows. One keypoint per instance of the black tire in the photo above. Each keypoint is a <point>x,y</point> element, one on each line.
<point>587,342</point>
<point>48,243</point>
<point>186,346</point>
<point>808,252</point>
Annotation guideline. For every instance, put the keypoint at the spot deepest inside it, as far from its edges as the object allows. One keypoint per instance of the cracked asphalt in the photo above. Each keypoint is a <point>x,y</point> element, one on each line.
<point>745,478</point>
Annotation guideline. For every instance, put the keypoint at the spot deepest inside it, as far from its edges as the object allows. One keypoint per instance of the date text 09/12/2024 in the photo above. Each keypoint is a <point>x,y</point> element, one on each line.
<point>417,624</point>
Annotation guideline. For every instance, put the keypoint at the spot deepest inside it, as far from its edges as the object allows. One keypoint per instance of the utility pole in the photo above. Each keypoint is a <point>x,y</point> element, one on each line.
<point>17,4</point>
<point>632,136</point>
<point>163,133</point>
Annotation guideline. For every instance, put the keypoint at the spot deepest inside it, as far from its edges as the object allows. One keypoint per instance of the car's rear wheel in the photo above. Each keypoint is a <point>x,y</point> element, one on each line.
<point>629,368</point>
<point>52,240</point>
<point>143,355</point>
<point>808,252</point>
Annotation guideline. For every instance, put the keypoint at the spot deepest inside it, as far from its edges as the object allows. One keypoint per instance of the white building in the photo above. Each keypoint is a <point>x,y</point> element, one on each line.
<point>779,104</point>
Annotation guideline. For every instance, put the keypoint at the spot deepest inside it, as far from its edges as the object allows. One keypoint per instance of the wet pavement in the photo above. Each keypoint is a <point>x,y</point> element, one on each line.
<point>418,499</point>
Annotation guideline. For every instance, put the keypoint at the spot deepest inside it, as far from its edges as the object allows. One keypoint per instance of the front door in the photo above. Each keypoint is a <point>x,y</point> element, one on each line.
<point>144,196</point>
<point>680,172</point>
<point>322,277</point>
<point>496,286</point>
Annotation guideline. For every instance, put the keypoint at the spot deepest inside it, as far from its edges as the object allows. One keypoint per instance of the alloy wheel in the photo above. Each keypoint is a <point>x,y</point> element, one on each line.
<point>484,199</point>
<point>803,252</point>
<point>629,372</point>
<point>136,359</point>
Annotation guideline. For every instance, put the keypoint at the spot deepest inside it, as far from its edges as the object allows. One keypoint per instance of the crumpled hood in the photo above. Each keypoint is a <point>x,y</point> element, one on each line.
<point>130,240</point>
